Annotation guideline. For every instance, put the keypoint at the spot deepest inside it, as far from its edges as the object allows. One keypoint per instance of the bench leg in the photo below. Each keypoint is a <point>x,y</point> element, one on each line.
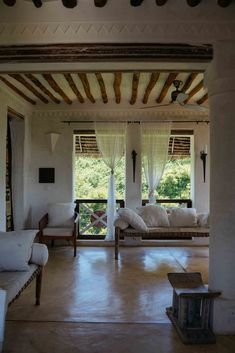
<point>38,287</point>
<point>75,247</point>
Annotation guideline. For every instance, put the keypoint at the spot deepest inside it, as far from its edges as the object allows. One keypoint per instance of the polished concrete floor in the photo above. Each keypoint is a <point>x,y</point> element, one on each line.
<point>94,304</point>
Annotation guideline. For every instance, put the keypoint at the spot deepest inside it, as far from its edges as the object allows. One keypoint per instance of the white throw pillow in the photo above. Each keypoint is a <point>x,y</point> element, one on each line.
<point>183,217</point>
<point>203,220</point>
<point>119,222</point>
<point>61,214</point>
<point>154,216</point>
<point>133,219</point>
<point>16,249</point>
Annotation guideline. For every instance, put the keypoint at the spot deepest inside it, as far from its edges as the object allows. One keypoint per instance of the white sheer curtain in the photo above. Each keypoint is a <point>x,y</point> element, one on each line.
<point>111,143</point>
<point>155,141</point>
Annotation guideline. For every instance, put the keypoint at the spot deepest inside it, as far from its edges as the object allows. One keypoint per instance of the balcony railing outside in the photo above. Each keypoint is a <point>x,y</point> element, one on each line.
<point>93,215</point>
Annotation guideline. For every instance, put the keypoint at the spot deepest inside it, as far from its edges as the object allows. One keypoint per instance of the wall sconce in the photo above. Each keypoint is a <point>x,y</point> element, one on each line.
<point>203,155</point>
<point>133,156</point>
<point>52,139</point>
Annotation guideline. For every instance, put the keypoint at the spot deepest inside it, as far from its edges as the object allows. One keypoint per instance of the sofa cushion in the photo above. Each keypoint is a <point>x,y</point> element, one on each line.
<point>58,232</point>
<point>60,214</point>
<point>183,217</point>
<point>39,254</point>
<point>16,249</point>
<point>119,222</point>
<point>203,219</point>
<point>154,216</point>
<point>133,219</point>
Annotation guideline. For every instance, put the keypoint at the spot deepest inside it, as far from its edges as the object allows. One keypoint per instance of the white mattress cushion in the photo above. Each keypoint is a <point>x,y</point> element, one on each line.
<point>203,219</point>
<point>119,222</point>
<point>183,217</point>
<point>58,231</point>
<point>13,282</point>
<point>133,219</point>
<point>60,214</point>
<point>16,249</point>
<point>154,216</point>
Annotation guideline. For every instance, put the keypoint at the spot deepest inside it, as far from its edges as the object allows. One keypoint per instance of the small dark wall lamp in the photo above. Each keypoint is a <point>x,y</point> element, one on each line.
<point>133,156</point>
<point>203,155</point>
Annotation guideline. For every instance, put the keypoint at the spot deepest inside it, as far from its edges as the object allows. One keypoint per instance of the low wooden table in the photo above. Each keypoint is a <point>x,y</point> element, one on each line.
<point>191,307</point>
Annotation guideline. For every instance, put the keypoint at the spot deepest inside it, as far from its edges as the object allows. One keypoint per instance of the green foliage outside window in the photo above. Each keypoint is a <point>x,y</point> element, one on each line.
<point>92,175</point>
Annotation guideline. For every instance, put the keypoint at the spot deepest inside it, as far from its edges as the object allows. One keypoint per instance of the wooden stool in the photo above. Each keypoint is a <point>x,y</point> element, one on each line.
<point>191,308</point>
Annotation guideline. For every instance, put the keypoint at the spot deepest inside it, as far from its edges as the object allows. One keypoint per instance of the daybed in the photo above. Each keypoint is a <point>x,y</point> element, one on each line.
<point>155,222</point>
<point>21,261</point>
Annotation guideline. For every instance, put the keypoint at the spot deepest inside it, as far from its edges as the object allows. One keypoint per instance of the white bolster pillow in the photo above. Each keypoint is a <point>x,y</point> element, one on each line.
<point>39,254</point>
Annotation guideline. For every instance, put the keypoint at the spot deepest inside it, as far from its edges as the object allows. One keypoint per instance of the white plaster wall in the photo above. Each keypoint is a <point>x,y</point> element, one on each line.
<point>201,189</point>
<point>116,22</point>
<point>41,157</point>
<point>3,132</point>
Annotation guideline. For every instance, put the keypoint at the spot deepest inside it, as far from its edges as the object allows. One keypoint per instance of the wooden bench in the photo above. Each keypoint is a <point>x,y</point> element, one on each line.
<point>160,233</point>
<point>191,307</point>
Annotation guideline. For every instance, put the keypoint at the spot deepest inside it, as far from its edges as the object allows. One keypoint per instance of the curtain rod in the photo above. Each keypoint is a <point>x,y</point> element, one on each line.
<point>135,122</point>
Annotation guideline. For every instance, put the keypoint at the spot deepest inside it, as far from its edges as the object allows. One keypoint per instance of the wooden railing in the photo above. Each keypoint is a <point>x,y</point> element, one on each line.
<point>93,215</point>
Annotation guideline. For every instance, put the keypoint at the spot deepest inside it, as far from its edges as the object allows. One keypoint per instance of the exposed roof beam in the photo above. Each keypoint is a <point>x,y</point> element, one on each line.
<point>168,83</point>
<point>161,2</point>
<point>73,87</point>
<point>102,87</point>
<point>86,86</point>
<point>37,83</point>
<point>224,3</point>
<point>16,90</point>
<point>196,89</point>
<point>9,2</point>
<point>116,86</point>
<point>189,81</point>
<point>135,83</point>
<point>56,88</point>
<point>193,3</point>
<point>100,3</point>
<point>152,82</point>
<point>202,99</point>
<point>37,3</point>
<point>136,2</point>
<point>25,83</point>
<point>70,4</point>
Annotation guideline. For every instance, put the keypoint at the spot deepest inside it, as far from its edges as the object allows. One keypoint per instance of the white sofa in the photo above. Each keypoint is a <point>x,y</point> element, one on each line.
<point>18,270</point>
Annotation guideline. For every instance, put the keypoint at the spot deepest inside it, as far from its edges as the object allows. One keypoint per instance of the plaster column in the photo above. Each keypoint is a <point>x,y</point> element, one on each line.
<point>220,78</point>
<point>201,189</point>
<point>133,195</point>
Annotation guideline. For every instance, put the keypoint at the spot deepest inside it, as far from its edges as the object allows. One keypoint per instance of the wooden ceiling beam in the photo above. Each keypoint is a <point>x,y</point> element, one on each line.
<point>189,81</point>
<point>26,84</point>
<point>193,3</point>
<point>70,4</point>
<point>117,85</point>
<point>37,3</point>
<point>100,3</point>
<point>202,99</point>
<point>135,84</point>
<point>37,83</point>
<point>9,2</point>
<point>196,89</point>
<point>224,3</point>
<point>102,87</point>
<point>86,86</point>
<point>161,2</point>
<point>73,87</point>
<point>136,2</point>
<point>172,76</point>
<point>16,90</point>
<point>56,88</point>
<point>152,82</point>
